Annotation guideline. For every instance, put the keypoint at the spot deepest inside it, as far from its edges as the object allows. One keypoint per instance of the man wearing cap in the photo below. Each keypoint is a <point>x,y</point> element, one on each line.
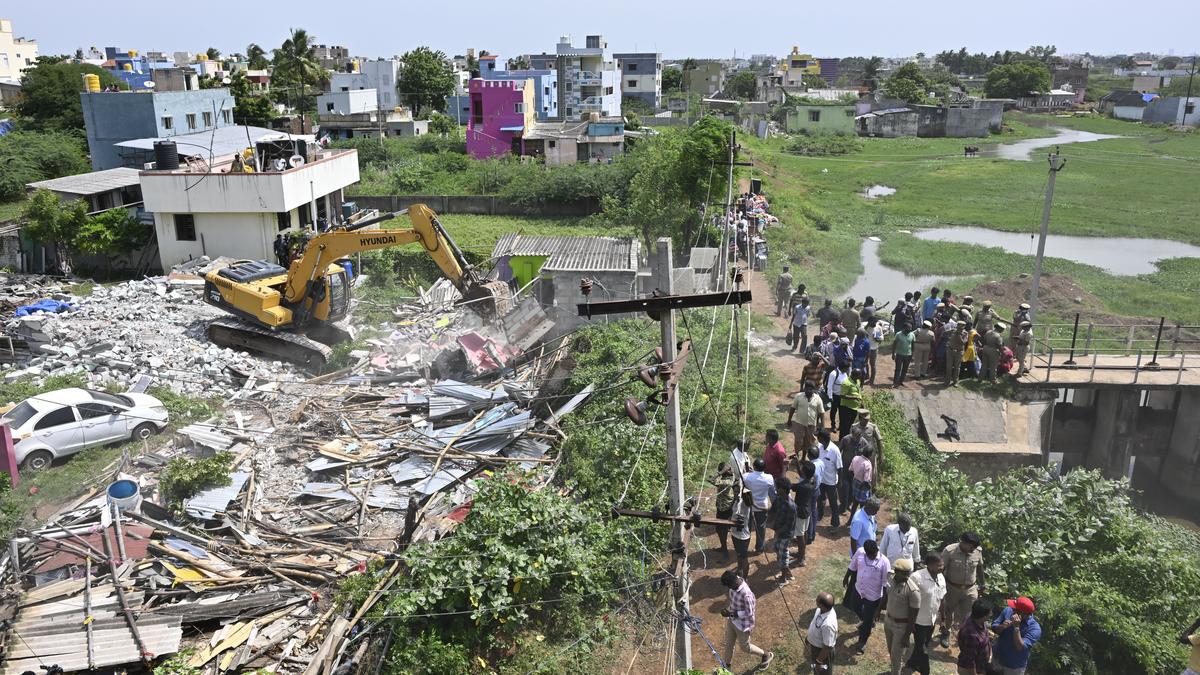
<point>783,290</point>
<point>956,342</point>
<point>903,605</point>
<point>872,441</point>
<point>989,353</point>
<point>1020,316</point>
<point>1021,340</point>
<point>1016,633</point>
<point>986,318</point>
<point>922,346</point>
<point>963,563</point>
<point>804,417</point>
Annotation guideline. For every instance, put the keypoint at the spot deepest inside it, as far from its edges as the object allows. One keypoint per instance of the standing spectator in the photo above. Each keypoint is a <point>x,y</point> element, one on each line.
<point>850,318</point>
<point>814,372</point>
<point>870,573</point>
<point>1016,633</point>
<point>762,490</point>
<point>862,476</point>
<point>929,307</point>
<point>740,612</point>
<point>850,445</point>
<point>784,524</point>
<point>968,360</point>
<point>1191,637</point>
<point>922,349</point>
<point>860,351</point>
<point>1021,341</point>
<point>804,497</point>
<point>774,456</point>
<point>804,417</point>
<point>833,389</point>
<point>974,643</point>
<point>933,588</point>
<point>875,334</point>
<point>281,251</point>
<point>964,582</point>
<point>850,401</point>
<point>863,526</point>
<point>956,343</point>
<point>814,458</point>
<point>822,636</point>
<point>903,605</point>
<point>800,314</point>
<point>743,519</point>
<point>831,456</point>
<point>827,313</point>
<point>902,351</point>
<point>727,489</point>
<point>783,290</point>
<point>900,540</point>
<point>871,438</point>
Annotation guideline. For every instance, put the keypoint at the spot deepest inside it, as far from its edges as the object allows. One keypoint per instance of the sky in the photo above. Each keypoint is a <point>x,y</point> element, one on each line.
<point>698,28</point>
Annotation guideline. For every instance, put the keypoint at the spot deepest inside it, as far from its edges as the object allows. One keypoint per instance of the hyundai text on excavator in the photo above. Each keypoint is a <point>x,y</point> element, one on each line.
<point>290,313</point>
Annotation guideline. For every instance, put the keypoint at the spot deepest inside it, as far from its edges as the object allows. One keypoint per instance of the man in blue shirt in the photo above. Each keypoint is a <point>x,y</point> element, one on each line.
<point>863,527</point>
<point>1016,632</point>
<point>929,307</point>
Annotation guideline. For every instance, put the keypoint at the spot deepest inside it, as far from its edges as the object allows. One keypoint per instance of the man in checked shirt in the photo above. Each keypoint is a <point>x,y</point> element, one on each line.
<point>740,613</point>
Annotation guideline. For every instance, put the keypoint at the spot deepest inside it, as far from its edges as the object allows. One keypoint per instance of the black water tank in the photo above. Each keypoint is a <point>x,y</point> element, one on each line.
<point>166,157</point>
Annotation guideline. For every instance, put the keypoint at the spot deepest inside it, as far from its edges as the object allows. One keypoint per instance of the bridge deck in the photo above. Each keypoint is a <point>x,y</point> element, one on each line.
<point>1116,370</point>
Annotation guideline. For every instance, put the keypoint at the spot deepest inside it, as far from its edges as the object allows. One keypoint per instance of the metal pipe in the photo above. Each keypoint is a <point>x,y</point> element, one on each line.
<point>1157,341</point>
<point>1179,373</point>
<point>1087,341</point>
<point>1049,363</point>
<point>1137,369</point>
<point>1092,376</point>
<point>1074,334</point>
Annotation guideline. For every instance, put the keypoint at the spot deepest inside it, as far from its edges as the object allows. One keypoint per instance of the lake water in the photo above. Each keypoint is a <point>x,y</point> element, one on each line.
<point>1023,150</point>
<point>884,282</point>
<point>1122,256</point>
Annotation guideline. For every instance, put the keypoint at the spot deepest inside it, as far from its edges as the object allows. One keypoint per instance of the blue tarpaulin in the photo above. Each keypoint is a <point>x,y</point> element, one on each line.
<point>6,126</point>
<point>51,306</point>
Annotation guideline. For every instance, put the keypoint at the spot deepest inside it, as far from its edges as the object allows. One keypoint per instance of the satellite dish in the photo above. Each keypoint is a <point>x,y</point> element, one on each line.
<point>149,84</point>
<point>296,161</point>
<point>280,164</point>
<point>226,80</point>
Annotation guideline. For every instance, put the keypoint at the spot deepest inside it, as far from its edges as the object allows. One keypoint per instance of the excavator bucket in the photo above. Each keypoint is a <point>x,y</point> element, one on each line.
<point>491,300</point>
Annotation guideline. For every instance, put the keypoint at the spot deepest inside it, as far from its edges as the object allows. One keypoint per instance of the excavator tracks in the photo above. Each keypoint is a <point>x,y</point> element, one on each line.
<point>282,345</point>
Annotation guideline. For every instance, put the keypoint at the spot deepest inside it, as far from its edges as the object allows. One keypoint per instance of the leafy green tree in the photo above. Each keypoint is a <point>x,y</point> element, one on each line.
<point>256,56</point>
<point>743,85</point>
<point>1169,62</point>
<point>297,70</point>
<point>908,84</point>
<point>1017,79</point>
<point>672,79</point>
<point>425,80</point>
<point>28,156</point>
<point>249,106</point>
<point>213,54</point>
<point>111,233</point>
<point>50,93</point>
<point>1043,53</point>
<point>52,221</point>
<point>871,72</point>
<point>442,124</point>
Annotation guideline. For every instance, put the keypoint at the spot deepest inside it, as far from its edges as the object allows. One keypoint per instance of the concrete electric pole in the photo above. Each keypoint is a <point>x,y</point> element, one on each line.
<point>1056,164</point>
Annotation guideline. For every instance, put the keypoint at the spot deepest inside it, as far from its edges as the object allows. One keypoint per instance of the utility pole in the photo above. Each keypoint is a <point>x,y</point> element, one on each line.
<point>1188,99</point>
<point>723,266</point>
<point>1056,164</point>
<point>679,536</point>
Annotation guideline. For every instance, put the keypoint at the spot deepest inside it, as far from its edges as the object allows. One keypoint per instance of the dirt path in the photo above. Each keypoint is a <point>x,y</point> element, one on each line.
<point>783,613</point>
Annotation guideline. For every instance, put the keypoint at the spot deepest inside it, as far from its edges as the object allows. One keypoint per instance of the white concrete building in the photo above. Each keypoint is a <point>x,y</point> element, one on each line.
<point>16,53</point>
<point>214,212</point>
<point>350,102</point>
<point>380,75</point>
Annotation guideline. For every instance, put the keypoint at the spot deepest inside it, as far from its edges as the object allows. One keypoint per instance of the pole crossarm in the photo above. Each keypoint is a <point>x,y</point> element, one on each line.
<point>662,303</point>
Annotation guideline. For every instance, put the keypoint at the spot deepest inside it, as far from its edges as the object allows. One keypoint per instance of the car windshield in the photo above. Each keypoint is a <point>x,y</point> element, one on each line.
<point>113,399</point>
<point>18,416</point>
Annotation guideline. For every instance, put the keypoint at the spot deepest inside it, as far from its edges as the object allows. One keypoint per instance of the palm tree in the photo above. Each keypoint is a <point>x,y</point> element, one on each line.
<point>257,56</point>
<point>296,61</point>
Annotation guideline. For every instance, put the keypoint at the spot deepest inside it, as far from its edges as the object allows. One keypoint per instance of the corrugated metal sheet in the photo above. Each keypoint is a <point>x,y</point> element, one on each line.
<point>703,258</point>
<point>382,496</point>
<point>574,254</point>
<point>209,503</point>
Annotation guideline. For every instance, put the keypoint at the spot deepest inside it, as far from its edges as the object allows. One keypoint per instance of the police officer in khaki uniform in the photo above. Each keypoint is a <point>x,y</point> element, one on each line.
<point>986,318</point>
<point>922,346</point>
<point>989,354</point>
<point>956,341</point>
<point>1019,317</point>
<point>1021,342</point>
<point>903,604</point>
<point>964,583</point>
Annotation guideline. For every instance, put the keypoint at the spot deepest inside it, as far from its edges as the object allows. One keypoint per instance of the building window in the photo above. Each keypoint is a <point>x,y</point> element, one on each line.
<point>191,121</point>
<point>207,120</point>
<point>328,107</point>
<point>227,116</point>
<point>814,115</point>
<point>849,113</point>
<point>168,122</point>
<point>1189,109</point>
<point>185,227</point>
<point>608,91</point>
<point>519,108</point>
<point>632,66</point>
<point>553,144</point>
<point>545,91</point>
<point>632,84</point>
<point>345,88</point>
<point>284,220</point>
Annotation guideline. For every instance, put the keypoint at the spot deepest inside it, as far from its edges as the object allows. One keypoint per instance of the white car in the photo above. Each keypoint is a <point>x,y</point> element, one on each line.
<point>63,422</point>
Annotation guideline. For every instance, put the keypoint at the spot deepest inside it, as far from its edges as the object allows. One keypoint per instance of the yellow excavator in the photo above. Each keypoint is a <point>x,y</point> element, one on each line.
<point>290,313</point>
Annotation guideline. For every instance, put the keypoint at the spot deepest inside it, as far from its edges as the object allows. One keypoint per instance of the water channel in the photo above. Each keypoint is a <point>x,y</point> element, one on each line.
<point>1023,150</point>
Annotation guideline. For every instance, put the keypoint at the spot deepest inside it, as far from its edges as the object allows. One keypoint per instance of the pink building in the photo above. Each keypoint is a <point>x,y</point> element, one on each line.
<point>501,111</point>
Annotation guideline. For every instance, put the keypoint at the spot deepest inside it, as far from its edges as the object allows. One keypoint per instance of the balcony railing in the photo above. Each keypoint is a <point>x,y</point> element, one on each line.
<point>586,78</point>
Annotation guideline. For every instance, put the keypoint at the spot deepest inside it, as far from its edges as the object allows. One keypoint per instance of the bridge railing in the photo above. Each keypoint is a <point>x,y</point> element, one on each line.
<point>1082,345</point>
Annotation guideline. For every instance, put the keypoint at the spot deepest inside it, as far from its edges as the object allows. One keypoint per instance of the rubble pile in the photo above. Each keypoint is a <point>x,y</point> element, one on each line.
<point>329,474</point>
<point>118,333</point>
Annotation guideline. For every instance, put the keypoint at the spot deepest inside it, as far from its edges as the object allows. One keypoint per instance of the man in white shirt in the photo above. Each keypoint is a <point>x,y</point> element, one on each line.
<point>822,636</point>
<point>900,540</point>
<point>933,589</point>
<point>762,490</point>
<point>831,465</point>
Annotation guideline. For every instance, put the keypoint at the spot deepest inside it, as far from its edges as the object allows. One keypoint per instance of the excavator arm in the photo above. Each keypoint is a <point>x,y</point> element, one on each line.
<point>330,246</point>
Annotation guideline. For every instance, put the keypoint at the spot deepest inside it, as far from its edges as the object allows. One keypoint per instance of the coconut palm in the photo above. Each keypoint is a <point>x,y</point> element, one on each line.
<point>296,61</point>
<point>257,56</point>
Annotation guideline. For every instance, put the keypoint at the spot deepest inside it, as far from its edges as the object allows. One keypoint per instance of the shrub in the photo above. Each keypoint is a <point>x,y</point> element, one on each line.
<point>825,145</point>
<point>183,477</point>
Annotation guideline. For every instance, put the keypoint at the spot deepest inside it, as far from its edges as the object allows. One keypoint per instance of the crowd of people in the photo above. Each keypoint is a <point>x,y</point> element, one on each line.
<point>934,335</point>
<point>927,600</point>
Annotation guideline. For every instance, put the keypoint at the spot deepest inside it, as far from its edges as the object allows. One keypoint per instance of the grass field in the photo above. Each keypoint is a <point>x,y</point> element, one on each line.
<point>1140,186</point>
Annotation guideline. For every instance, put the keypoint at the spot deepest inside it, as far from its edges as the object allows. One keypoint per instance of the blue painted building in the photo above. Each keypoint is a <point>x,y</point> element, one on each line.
<point>545,83</point>
<point>113,117</point>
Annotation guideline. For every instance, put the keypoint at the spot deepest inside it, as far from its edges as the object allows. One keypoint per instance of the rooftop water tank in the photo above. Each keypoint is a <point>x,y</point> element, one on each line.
<point>91,82</point>
<point>166,156</point>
